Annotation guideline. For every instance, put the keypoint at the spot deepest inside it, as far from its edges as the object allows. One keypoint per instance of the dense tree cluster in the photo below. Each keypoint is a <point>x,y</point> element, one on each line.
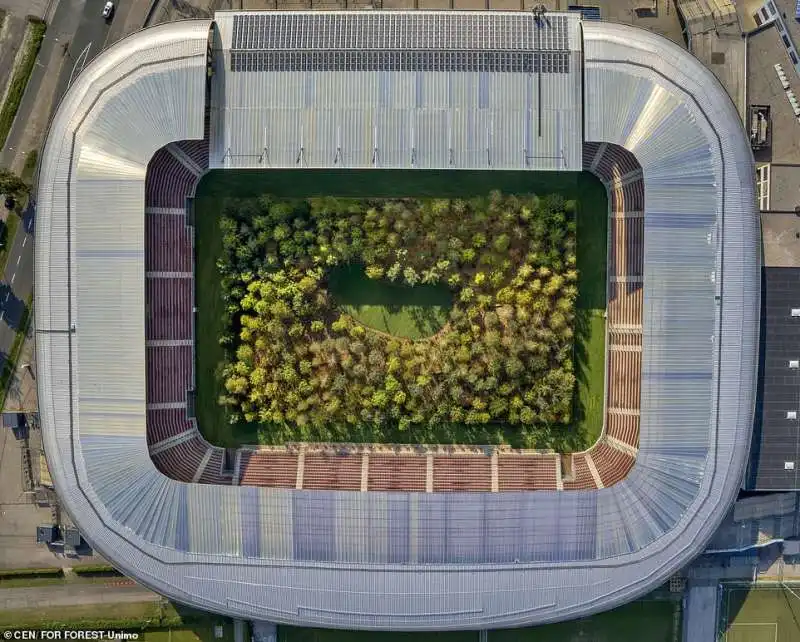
<point>505,354</point>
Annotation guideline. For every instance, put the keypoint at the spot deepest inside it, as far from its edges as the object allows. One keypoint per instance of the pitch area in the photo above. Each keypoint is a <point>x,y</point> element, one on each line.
<point>592,221</point>
<point>751,614</point>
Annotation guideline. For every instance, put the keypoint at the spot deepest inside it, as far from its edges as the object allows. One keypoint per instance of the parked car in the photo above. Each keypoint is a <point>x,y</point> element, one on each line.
<point>108,10</point>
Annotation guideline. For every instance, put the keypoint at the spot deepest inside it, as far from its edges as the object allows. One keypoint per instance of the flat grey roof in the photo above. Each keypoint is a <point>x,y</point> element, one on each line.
<point>400,560</point>
<point>780,237</point>
<point>775,454</point>
<point>784,185</point>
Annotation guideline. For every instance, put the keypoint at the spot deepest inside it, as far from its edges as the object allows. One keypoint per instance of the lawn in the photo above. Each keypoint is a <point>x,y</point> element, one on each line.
<point>161,620</point>
<point>591,243</point>
<point>124,615</point>
<point>625,624</point>
<point>760,615</point>
<point>201,632</point>
<point>396,309</point>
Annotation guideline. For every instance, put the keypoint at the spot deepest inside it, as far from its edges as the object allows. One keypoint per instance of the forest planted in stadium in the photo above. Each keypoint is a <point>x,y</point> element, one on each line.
<point>401,307</point>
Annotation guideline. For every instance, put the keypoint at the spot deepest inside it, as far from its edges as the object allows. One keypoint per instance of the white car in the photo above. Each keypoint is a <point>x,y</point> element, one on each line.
<point>108,10</point>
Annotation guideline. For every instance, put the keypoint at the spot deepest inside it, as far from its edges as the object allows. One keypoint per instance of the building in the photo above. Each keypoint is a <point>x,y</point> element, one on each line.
<point>409,90</point>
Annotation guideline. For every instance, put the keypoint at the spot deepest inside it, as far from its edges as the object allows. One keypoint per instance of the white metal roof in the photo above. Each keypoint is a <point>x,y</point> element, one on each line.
<point>396,90</point>
<point>399,560</point>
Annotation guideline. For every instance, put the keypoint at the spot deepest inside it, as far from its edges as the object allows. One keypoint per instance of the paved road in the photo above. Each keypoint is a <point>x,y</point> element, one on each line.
<point>91,37</point>
<point>76,33</point>
<point>17,283</point>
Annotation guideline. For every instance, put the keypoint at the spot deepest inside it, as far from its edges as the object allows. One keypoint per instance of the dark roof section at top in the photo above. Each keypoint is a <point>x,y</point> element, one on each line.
<point>384,31</point>
<point>776,437</point>
<point>379,42</point>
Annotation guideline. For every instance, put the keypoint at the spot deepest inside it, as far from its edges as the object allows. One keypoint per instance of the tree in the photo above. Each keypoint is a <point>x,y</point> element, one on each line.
<point>11,184</point>
<point>293,357</point>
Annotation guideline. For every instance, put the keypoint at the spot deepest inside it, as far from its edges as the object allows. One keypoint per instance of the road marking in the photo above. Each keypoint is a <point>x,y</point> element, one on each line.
<point>8,296</point>
<point>2,314</point>
<point>24,241</point>
<point>13,276</point>
<point>18,258</point>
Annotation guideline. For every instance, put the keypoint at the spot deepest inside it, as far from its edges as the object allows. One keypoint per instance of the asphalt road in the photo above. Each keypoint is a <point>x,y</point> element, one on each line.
<point>17,283</point>
<point>78,24</point>
<point>92,35</point>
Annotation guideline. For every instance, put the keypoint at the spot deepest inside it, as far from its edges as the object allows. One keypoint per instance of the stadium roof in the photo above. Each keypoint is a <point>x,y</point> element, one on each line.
<point>398,560</point>
<point>396,90</point>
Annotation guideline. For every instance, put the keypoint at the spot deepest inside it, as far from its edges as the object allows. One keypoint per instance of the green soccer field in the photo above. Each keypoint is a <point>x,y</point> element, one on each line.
<point>625,624</point>
<point>592,225</point>
<point>760,615</point>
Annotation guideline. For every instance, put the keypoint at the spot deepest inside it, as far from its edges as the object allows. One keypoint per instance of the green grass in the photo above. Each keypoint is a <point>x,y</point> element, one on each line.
<point>759,615</point>
<point>200,633</point>
<point>590,326</point>
<point>592,218</point>
<point>625,624</point>
<point>393,308</point>
<point>20,78</point>
<point>125,615</point>
<point>590,355</point>
<point>161,620</point>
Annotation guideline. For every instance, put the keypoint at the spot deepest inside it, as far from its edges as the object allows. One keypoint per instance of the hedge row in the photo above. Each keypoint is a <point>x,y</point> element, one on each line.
<point>30,572</point>
<point>94,569</point>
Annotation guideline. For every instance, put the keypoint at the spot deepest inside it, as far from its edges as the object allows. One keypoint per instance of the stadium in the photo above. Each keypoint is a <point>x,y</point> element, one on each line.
<point>402,540</point>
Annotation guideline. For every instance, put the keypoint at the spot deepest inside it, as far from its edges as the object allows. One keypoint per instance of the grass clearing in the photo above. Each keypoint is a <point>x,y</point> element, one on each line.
<point>592,243</point>
<point>758,614</point>
<point>396,309</point>
<point>22,74</point>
